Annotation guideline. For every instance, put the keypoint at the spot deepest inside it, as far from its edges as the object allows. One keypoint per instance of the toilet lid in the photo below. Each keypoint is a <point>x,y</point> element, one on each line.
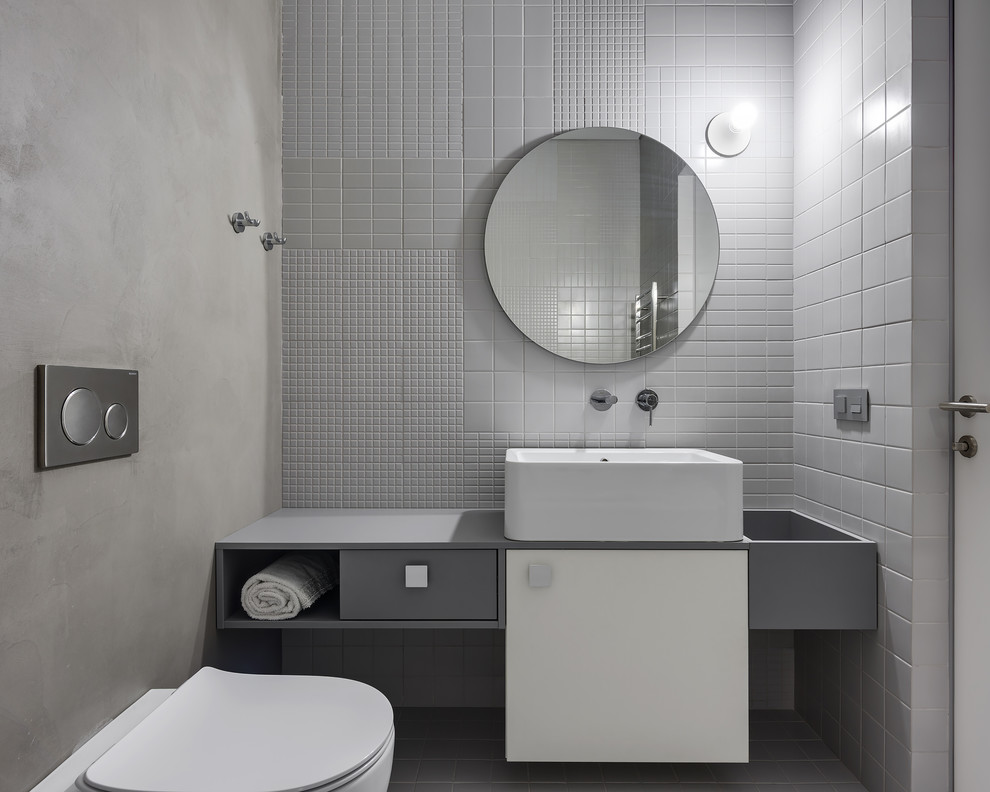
<point>228,732</point>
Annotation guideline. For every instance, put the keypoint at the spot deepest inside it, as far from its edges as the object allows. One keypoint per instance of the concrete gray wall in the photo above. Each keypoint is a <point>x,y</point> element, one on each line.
<point>128,132</point>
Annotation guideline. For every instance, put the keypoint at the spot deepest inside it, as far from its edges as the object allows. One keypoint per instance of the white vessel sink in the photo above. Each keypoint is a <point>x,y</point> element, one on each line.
<point>622,494</point>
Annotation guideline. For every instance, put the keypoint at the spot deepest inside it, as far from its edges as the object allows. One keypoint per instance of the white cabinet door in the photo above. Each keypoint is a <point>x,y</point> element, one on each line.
<point>627,656</point>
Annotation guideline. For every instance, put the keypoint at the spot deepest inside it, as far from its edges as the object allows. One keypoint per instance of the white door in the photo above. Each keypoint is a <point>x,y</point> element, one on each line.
<point>972,375</point>
<point>626,656</point>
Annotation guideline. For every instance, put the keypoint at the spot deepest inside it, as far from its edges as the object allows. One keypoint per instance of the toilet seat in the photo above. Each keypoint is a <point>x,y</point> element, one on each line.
<point>226,732</point>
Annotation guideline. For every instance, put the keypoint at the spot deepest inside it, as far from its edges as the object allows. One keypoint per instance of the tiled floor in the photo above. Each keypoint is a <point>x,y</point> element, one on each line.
<point>463,750</point>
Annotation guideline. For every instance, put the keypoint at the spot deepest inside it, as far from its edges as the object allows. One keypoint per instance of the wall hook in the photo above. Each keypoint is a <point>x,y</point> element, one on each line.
<point>270,240</point>
<point>241,220</point>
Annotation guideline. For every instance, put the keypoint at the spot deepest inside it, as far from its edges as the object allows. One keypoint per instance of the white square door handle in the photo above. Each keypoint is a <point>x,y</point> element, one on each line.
<point>417,575</point>
<point>540,575</point>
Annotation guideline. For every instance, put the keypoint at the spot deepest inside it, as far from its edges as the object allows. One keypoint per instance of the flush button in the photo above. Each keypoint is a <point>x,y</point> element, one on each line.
<point>851,404</point>
<point>82,416</point>
<point>115,421</point>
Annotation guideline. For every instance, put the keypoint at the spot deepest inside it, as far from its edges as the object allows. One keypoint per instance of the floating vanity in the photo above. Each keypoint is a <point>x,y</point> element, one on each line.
<point>615,650</point>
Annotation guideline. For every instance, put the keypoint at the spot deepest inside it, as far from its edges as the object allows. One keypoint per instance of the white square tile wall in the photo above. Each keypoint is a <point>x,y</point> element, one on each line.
<point>871,310</point>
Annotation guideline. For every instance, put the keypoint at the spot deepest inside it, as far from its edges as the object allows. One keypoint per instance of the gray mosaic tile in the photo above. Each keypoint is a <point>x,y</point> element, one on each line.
<point>372,78</point>
<point>598,63</point>
<point>372,384</point>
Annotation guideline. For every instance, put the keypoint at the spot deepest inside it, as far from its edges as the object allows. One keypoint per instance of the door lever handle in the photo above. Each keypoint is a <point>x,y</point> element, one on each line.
<point>967,406</point>
<point>966,445</point>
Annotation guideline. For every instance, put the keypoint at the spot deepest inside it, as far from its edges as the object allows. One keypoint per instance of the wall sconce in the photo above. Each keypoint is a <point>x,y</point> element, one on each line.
<point>728,134</point>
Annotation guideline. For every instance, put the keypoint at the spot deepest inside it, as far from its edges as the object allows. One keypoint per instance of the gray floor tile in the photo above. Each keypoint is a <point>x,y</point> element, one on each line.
<point>836,772</point>
<point>510,772</point>
<point>473,770</point>
<point>766,773</point>
<point>732,773</point>
<point>409,748</point>
<point>435,770</point>
<point>784,751</point>
<point>817,751</point>
<point>657,773</point>
<point>802,772</point>
<point>404,770</point>
<point>463,750</point>
<point>693,773</point>
<point>619,773</point>
<point>583,773</point>
<point>546,772</point>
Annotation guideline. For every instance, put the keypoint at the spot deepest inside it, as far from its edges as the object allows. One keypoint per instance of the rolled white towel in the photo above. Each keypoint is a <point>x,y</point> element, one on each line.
<point>288,586</point>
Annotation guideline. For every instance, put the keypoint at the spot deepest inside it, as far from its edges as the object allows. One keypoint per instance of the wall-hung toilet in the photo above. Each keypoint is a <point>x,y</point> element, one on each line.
<point>225,732</point>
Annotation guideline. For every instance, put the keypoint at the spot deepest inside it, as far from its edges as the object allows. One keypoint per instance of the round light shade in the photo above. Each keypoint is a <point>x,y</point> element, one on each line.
<point>728,133</point>
<point>743,117</point>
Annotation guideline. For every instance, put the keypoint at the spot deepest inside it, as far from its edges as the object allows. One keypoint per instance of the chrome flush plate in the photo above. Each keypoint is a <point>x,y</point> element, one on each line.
<point>86,414</point>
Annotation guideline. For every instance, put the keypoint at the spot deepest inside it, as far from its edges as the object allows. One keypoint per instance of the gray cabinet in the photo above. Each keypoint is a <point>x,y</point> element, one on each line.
<point>419,584</point>
<point>805,575</point>
<point>457,554</point>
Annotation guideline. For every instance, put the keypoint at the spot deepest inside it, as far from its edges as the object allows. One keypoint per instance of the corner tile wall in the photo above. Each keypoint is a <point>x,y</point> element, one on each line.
<point>872,309</point>
<point>403,380</point>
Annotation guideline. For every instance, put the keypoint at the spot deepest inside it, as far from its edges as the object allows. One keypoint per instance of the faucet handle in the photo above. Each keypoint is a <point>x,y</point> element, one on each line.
<point>601,399</point>
<point>647,399</point>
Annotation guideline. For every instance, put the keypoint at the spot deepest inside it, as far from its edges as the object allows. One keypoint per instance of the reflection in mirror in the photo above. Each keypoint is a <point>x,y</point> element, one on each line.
<point>602,245</point>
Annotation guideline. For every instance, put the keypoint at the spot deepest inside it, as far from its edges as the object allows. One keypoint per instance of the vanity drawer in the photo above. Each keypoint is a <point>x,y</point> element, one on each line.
<point>389,584</point>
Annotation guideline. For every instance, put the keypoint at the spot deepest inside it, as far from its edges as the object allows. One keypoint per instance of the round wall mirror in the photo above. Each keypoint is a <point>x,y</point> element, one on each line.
<point>602,245</point>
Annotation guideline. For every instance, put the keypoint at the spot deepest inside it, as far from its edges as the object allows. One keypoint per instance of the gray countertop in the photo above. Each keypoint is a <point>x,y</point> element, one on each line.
<point>383,528</point>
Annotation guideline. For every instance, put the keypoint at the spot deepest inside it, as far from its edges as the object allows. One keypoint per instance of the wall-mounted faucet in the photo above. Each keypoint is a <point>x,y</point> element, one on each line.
<point>602,400</point>
<point>647,400</point>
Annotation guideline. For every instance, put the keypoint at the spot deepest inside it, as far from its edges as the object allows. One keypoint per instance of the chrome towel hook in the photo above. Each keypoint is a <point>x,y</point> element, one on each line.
<point>241,220</point>
<point>270,240</point>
